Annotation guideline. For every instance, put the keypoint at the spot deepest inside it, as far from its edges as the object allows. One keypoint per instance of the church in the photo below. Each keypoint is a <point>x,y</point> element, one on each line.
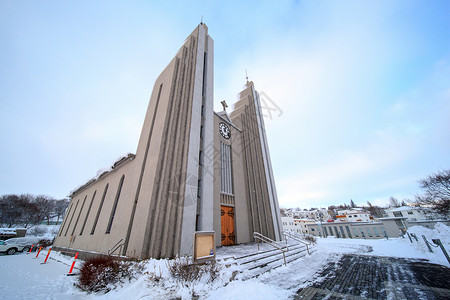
<point>194,170</point>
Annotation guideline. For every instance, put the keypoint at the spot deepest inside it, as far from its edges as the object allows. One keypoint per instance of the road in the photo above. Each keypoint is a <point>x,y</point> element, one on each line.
<point>372,277</point>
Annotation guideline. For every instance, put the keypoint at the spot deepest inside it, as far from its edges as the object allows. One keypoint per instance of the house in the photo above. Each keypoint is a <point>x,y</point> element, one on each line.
<point>409,212</point>
<point>353,215</point>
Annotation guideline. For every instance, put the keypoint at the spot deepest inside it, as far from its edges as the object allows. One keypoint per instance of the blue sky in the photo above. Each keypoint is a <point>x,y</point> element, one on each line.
<point>363,87</point>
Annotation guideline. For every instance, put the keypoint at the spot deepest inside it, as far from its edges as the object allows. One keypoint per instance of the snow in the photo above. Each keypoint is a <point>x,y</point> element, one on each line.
<point>403,208</point>
<point>23,276</point>
<point>102,171</point>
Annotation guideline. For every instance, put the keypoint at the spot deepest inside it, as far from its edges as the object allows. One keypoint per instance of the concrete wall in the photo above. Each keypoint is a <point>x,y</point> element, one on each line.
<point>88,216</point>
<point>368,230</point>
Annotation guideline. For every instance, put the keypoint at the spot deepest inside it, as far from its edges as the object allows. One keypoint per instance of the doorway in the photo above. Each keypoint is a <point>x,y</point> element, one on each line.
<point>227,220</point>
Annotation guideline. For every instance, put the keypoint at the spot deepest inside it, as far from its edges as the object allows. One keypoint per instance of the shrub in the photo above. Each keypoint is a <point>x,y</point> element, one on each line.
<point>310,238</point>
<point>101,273</point>
<point>45,243</point>
<point>183,271</point>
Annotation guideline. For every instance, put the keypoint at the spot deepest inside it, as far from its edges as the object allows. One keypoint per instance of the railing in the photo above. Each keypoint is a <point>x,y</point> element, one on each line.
<point>437,244</point>
<point>118,245</point>
<point>259,237</point>
<point>296,238</point>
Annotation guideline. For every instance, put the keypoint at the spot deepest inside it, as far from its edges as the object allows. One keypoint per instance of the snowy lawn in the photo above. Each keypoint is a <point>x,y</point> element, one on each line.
<point>23,277</point>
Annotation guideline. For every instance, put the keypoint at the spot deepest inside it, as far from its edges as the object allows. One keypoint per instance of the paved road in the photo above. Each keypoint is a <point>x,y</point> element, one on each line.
<point>371,277</point>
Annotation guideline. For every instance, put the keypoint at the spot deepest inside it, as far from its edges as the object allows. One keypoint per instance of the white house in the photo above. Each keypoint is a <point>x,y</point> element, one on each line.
<point>353,216</point>
<point>409,212</point>
<point>316,214</point>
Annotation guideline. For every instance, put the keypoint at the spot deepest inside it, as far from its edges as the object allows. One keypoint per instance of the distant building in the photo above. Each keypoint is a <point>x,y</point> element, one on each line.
<point>409,212</point>
<point>353,216</point>
<point>296,225</point>
<point>316,214</point>
<point>364,230</point>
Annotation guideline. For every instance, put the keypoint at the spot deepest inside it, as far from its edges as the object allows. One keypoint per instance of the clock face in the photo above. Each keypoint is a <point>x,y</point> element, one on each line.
<point>224,130</point>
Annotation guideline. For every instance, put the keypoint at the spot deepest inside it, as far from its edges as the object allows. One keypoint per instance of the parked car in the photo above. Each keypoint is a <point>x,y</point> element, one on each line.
<point>10,247</point>
<point>14,245</point>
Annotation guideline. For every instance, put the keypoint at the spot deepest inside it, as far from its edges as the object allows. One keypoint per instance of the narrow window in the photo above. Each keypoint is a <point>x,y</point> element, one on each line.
<point>79,214</point>
<point>88,211</point>
<point>68,226</point>
<point>376,231</point>
<point>65,219</point>
<point>226,179</point>
<point>348,232</point>
<point>342,231</point>
<point>113,212</point>
<point>99,209</point>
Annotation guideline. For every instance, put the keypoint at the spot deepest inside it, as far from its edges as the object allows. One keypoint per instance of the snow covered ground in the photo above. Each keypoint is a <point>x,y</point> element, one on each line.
<point>23,277</point>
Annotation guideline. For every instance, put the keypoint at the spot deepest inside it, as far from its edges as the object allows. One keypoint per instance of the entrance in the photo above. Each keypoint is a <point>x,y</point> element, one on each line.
<point>227,220</point>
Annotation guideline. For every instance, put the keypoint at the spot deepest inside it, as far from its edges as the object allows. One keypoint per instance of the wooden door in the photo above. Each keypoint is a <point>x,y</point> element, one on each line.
<point>227,220</point>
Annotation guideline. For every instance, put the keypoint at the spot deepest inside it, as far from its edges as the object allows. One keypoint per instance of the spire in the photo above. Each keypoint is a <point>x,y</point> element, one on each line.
<point>246,75</point>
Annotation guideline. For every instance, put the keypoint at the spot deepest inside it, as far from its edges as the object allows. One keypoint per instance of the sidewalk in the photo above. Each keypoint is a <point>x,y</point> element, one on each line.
<point>372,277</point>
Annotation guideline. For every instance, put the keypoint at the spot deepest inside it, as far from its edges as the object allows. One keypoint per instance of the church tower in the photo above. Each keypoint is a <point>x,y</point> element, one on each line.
<point>194,170</point>
<point>176,129</point>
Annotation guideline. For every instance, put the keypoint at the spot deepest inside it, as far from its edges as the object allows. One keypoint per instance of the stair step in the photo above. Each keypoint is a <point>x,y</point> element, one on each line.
<point>265,254</point>
<point>278,257</point>
<point>257,253</point>
<point>255,272</point>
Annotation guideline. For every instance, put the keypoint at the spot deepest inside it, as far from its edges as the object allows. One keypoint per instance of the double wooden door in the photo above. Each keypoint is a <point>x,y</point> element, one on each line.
<point>227,220</point>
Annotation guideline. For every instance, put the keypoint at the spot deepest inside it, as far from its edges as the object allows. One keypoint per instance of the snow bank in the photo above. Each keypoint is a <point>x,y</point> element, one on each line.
<point>440,231</point>
<point>250,289</point>
<point>156,282</point>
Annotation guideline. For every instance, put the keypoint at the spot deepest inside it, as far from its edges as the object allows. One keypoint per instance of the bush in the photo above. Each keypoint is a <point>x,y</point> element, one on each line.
<point>45,243</point>
<point>101,273</point>
<point>183,271</point>
<point>310,238</point>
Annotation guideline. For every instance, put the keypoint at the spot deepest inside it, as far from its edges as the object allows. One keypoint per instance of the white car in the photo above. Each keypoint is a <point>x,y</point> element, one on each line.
<point>10,247</point>
<point>14,245</point>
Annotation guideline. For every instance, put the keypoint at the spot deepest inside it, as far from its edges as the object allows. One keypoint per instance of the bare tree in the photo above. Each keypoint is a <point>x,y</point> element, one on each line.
<point>46,207</point>
<point>28,208</point>
<point>436,192</point>
<point>393,202</point>
<point>9,209</point>
<point>60,208</point>
<point>375,211</point>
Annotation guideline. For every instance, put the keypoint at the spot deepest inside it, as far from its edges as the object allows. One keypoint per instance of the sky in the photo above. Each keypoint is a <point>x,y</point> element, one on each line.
<point>361,89</point>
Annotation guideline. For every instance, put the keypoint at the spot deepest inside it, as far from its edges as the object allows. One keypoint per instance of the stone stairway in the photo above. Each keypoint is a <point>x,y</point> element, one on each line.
<point>255,264</point>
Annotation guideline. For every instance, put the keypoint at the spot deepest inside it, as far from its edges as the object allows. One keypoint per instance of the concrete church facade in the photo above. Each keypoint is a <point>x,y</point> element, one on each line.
<point>194,170</point>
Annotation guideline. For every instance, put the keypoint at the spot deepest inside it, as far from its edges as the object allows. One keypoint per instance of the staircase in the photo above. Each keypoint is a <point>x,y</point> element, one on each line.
<point>254,264</point>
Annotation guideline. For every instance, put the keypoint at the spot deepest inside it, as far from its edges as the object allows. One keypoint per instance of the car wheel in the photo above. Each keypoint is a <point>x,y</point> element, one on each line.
<point>11,251</point>
<point>26,249</point>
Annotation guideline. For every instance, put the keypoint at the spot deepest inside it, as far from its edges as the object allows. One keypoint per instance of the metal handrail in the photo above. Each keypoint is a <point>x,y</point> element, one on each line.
<point>296,238</point>
<point>258,236</point>
<point>119,244</point>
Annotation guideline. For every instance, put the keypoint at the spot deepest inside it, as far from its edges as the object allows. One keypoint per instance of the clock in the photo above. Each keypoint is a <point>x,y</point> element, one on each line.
<point>224,130</point>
